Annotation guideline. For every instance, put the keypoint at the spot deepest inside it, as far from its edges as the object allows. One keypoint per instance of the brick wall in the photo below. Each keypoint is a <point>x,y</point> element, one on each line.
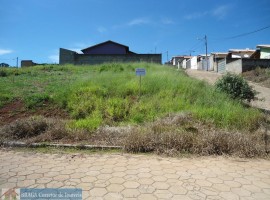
<point>71,57</point>
<point>250,64</point>
<point>66,56</point>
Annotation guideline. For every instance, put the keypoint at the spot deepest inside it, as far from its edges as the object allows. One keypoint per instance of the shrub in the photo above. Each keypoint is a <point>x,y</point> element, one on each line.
<point>3,73</point>
<point>236,87</point>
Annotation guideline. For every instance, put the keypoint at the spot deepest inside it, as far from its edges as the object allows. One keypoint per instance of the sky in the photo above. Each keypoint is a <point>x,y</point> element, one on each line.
<point>36,29</point>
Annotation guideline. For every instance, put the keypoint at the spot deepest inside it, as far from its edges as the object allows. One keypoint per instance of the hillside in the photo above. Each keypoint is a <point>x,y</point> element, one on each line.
<point>90,97</point>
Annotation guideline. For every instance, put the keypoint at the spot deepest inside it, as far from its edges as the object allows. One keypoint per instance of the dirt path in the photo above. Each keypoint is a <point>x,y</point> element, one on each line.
<point>211,77</point>
<point>127,176</point>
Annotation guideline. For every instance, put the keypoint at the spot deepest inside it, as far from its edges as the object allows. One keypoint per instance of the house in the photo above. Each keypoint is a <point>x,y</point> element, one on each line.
<point>180,61</point>
<point>203,62</point>
<point>192,63</point>
<point>264,50</point>
<point>4,65</point>
<point>240,53</point>
<point>108,51</point>
<point>28,63</point>
<point>214,59</point>
<point>242,60</point>
<point>108,48</point>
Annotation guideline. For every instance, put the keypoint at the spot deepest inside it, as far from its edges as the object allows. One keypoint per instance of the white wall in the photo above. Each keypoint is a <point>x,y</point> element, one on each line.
<point>193,62</point>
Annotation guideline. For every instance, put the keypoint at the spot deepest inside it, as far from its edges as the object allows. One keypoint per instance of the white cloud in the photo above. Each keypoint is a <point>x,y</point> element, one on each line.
<point>221,11</point>
<point>138,21</point>
<point>101,29</point>
<point>5,51</point>
<point>196,15</point>
<point>167,21</point>
<point>54,58</point>
<point>76,50</point>
<point>78,46</point>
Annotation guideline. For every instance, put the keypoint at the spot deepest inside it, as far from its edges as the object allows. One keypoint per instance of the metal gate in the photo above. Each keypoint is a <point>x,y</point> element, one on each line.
<point>221,66</point>
<point>205,65</point>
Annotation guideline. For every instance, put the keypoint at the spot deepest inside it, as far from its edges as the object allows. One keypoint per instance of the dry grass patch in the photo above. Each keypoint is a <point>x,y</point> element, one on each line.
<point>172,135</point>
<point>183,134</point>
<point>40,129</point>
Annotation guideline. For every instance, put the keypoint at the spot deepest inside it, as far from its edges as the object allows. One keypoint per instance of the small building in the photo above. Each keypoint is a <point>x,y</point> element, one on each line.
<point>214,58</point>
<point>180,61</point>
<point>108,48</point>
<point>4,65</point>
<point>105,52</point>
<point>27,63</point>
<point>264,50</point>
<point>240,53</point>
<point>192,63</point>
<point>203,62</point>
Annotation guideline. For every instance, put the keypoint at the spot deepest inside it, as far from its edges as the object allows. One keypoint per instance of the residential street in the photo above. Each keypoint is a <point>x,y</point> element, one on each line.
<point>129,176</point>
<point>263,101</point>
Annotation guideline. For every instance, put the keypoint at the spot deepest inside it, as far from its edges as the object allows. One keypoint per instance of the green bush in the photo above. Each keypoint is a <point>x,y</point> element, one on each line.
<point>3,73</point>
<point>236,87</point>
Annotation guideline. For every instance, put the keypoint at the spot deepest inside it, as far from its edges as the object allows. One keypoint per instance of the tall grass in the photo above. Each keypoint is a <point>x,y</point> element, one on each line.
<point>111,97</point>
<point>108,94</point>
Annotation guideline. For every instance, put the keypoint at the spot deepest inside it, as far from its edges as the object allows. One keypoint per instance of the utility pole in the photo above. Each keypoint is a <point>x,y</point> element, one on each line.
<point>167,56</point>
<point>17,62</point>
<point>206,58</point>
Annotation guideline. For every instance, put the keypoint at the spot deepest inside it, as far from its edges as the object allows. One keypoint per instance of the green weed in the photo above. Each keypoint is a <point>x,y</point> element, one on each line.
<point>108,94</point>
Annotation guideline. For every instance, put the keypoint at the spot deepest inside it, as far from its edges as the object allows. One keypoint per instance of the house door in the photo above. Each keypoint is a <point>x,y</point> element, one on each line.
<point>221,66</point>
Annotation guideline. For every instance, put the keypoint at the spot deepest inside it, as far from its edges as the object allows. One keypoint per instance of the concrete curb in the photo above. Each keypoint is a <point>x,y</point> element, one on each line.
<point>79,146</point>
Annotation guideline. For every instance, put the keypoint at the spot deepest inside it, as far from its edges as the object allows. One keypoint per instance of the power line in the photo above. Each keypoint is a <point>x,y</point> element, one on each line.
<point>243,34</point>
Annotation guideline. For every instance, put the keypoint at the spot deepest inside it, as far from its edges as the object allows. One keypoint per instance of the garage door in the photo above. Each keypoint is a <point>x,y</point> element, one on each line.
<point>221,66</point>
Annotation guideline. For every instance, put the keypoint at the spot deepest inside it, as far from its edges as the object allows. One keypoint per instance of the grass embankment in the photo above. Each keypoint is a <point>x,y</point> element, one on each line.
<point>108,94</point>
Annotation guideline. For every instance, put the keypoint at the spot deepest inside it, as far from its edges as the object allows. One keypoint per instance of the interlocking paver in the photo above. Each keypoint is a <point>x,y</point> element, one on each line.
<point>117,176</point>
<point>115,188</point>
<point>131,184</point>
<point>131,193</point>
<point>98,192</point>
<point>146,189</point>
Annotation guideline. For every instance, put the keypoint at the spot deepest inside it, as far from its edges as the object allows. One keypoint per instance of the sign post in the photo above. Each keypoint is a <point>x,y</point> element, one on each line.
<point>140,72</point>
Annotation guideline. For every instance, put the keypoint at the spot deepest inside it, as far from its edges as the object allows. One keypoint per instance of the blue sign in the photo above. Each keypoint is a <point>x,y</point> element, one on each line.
<point>140,72</point>
<point>50,193</point>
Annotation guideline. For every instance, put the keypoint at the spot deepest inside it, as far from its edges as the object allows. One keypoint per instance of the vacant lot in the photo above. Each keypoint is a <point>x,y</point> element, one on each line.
<point>101,104</point>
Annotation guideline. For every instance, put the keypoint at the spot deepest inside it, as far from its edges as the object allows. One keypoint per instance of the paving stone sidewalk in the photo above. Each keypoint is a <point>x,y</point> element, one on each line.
<point>127,176</point>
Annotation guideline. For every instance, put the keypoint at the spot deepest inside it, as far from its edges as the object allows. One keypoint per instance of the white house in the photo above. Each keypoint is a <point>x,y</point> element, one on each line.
<point>240,53</point>
<point>264,51</point>
<point>180,61</point>
<point>192,63</point>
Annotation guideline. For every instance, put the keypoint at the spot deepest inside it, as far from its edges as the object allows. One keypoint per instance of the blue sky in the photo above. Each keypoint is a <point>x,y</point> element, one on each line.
<point>36,29</point>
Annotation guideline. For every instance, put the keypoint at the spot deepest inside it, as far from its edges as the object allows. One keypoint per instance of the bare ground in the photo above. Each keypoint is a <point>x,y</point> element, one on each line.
<point>16,110</point>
